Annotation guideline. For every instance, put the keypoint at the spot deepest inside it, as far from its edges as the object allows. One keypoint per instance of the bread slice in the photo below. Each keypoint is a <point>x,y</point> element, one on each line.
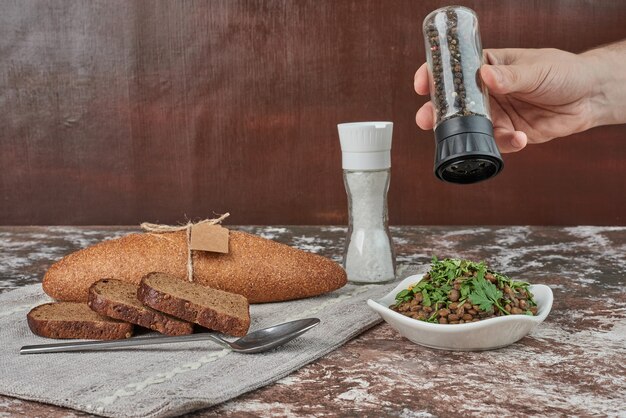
<point>221,311</point>
<point>118,299</point>
<point>257,268</point>
<point>75,320</point>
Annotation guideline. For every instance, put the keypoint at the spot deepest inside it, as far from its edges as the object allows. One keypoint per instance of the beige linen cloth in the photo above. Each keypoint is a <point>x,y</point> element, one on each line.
<point>169,380</point>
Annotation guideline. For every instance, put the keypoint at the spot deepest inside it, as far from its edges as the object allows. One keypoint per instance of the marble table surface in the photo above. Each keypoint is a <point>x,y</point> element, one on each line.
<point>573,364</point>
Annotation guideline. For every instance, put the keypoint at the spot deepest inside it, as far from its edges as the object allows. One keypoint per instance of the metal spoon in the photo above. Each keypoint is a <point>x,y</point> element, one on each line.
<point>255,342</point>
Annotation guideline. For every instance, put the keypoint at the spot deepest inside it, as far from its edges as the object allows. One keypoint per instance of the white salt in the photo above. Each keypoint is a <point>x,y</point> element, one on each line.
<point>369,256</point>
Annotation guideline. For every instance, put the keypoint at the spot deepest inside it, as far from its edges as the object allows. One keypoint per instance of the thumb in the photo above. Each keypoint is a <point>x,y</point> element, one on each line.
<point>505,79</point>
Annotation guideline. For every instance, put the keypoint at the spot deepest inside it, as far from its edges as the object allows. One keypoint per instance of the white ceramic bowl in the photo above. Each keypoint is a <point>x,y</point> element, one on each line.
<point>487,334</point>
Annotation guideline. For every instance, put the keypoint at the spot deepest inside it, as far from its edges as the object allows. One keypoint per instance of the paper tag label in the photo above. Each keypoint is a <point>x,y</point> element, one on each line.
<point>206,237</point>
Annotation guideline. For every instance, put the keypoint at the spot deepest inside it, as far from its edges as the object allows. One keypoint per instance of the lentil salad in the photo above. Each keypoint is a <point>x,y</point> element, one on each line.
<point>458,291</point>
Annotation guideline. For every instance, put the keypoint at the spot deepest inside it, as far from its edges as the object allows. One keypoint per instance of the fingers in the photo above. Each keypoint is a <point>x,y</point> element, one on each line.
<point>500,79</point>
<point>505,56</point>
<point>510,141</point>
<point>509,70</point>
<point>507,138</point>
<point>425,117</point>
<point>506,79</point>
<point>420,81</point>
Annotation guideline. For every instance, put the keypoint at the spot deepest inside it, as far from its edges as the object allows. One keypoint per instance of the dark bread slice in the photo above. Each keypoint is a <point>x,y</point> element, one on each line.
<point>118,299</point>
<point>75,320</point>
<point>221,311</point>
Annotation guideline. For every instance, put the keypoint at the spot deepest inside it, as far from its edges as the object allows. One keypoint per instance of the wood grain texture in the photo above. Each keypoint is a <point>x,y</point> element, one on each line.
<point>116,112</point>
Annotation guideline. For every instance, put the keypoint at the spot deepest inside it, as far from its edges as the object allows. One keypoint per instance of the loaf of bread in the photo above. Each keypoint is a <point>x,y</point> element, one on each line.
<point>75,320</point>
<point>259,269</point>
<point>118,299</point>
<point>221,311</point>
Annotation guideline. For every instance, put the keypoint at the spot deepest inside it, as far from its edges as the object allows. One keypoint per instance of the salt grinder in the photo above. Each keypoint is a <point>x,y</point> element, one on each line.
<point>466,151</point>
<point>366,159</point>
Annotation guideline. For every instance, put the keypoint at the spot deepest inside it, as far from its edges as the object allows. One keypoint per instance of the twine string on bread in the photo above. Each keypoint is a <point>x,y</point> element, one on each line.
<point>161,228</point>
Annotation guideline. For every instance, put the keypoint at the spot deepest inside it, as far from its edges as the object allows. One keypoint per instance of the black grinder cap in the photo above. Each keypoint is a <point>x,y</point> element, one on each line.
<point>466,151</point>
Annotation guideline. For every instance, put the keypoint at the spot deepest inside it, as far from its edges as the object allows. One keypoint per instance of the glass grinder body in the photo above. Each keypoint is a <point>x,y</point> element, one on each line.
<point>465,148</point>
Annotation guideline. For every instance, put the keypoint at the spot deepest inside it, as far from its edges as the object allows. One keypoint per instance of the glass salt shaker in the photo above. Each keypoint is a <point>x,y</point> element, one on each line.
<point>466,151</point>
<point>366,159</point>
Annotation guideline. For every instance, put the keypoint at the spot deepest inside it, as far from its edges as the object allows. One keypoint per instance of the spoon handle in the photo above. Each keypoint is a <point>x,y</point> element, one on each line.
<point>105,345</point>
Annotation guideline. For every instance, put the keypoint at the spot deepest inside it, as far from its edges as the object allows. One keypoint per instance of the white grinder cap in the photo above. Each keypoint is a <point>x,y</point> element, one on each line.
<point>365,145</point>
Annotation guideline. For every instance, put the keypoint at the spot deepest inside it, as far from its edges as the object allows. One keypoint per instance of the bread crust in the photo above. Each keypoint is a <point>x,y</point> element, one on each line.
<point>145,316</point>
<point>105,329</point>
<point>192,312</point>
<point>259,269</point>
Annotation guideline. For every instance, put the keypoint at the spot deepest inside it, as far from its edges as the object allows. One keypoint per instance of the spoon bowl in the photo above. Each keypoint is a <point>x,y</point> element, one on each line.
<point>254,342</point>
<point>268,338</point>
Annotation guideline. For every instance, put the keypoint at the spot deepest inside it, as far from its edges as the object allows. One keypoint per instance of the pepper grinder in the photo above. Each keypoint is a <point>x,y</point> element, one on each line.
<point>466,151</point>
<point>366,159</point>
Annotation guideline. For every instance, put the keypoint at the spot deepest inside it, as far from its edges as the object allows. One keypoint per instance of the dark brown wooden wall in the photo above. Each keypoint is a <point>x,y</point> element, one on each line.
<point>116,112</point>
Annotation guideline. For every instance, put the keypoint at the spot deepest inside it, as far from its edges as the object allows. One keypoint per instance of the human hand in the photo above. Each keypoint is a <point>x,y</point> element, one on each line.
<point>535,95</point>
